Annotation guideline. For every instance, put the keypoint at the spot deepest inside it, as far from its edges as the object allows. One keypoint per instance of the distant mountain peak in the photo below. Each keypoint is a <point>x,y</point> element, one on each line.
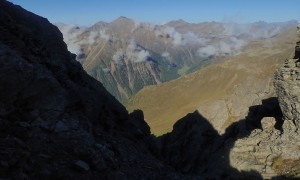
<point>179,22</point>
<point>123,18</point>
<point>98,25</point>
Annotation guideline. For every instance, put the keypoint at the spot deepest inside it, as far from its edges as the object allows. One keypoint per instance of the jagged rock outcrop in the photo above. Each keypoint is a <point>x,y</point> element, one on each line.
<point>247,149</point>
<point>258,150</point>
<point>271,149</point>
<point>274,149</point>
<point>263,145</point>
<point>56,122</point>
<point>287,83</point>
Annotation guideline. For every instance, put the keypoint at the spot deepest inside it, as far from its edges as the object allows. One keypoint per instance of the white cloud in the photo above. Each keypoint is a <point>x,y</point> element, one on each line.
<point>237,43</point>
<point>179,39</point>
<point>176,37</point>
<point>104,36</point>
<point>70,33</point>
<point>118,57</point>
<point>253,30</point>
<point>132,53</point>
<point>142,56</point>
<point>267,32</point>
<point>165,55</point>
<point>191,38</point>
<point>231,46</point>
<point>207,51</point>
<point>74,48</point>
<point>224,48</point>
<point>136,53</point>
<point>234,29</point>
<point>92,37</point>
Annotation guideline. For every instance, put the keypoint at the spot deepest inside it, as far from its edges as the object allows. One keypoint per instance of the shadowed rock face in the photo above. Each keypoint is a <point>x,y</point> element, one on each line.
<point>195,147</point>
<point>56,122</point>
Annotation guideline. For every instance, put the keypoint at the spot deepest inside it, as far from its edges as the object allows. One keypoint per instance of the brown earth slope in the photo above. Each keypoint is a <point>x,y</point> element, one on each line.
<point>221,92</point>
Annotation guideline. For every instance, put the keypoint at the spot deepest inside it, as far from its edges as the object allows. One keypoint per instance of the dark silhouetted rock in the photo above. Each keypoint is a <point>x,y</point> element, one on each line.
<point>81,165</point>
<point>56,122</point>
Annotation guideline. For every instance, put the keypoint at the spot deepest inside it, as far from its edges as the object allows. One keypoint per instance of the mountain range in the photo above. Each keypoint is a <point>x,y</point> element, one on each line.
<point>126,55</point>
<point>222,91</point>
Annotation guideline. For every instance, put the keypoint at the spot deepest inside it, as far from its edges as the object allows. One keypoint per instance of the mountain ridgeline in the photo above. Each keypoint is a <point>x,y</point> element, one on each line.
<point>57,122</point>
<point>228,87</point>
<point>126,55</point>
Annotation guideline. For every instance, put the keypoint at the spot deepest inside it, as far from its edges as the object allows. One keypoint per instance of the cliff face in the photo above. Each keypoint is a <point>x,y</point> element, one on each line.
<point>56,122</point>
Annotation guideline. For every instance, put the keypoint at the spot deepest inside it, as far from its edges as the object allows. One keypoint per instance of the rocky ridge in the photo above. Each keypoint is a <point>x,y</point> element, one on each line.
<point>56,122</point>
<point>275,150</point>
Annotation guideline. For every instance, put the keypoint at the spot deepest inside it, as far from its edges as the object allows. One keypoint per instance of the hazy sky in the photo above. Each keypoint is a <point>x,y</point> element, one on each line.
<point>87,12</point>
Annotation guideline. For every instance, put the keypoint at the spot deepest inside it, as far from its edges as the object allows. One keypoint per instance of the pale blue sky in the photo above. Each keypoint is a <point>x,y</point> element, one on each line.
<point>87,12</point>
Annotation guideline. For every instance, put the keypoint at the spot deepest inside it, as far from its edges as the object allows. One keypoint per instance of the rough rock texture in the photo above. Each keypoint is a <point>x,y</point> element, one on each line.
<point>274,149</point>
<point>287,83</point>
<point>243,151</point>
<point>56,122</point>
<point>258,150</point>
<point>271,150</point>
